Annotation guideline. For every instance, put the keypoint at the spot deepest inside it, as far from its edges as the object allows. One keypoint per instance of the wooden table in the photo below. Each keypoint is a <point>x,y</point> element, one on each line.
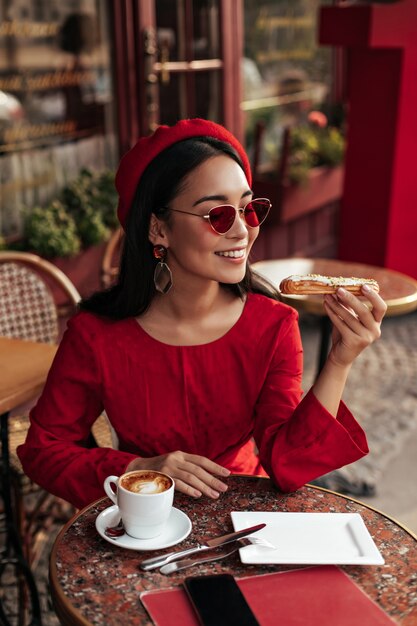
<point>24,366</point>
<point>94,582</point>
<point>398,290</point>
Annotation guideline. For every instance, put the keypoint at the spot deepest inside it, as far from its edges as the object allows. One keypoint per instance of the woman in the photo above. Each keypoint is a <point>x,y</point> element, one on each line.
<point>193,359</point>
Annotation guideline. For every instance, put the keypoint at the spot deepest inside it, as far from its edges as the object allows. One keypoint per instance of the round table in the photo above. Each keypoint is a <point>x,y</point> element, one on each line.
<point>398,290</point>
<point>94,582</point>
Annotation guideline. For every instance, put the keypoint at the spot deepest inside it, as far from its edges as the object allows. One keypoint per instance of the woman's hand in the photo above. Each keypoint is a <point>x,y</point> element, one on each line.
<point>194,475</point>
<point>355,326</point>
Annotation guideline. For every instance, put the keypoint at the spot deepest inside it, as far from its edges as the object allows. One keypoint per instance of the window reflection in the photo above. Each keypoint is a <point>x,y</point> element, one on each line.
<point>284,72</point>
<point>55,63</point>
<point>56,102</point>
<point>206,41</point>
<point>173,102</point>
<point>196,31</point>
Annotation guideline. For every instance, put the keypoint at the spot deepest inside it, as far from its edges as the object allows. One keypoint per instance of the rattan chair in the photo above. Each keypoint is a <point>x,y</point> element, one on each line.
<point>35,299</point>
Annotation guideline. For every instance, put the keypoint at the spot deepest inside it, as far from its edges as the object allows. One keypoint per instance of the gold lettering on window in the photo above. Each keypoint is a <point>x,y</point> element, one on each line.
<point>36,131</point>
<point>47,80</point>
<point>14,28</point>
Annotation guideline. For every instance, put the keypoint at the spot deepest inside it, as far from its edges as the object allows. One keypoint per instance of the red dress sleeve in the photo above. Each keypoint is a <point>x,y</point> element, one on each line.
<point>300,440</point>
<point>53,454</point>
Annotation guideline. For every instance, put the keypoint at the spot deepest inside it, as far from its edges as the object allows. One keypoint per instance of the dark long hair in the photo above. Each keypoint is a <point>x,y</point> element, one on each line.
<point>162,180</point>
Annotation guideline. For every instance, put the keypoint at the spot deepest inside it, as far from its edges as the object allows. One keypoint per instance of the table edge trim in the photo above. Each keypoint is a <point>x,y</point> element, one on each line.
<point>59,599</point>
<point>367,506</point>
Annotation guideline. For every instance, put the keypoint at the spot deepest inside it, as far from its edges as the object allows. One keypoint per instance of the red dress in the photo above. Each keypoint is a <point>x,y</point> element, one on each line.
<point>214,399</point>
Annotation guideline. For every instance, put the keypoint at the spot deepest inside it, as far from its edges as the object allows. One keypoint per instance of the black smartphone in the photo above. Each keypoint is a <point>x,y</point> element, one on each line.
<point>218,601</point>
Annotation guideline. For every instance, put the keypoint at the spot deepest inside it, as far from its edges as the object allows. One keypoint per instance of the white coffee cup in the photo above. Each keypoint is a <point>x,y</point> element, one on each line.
<point>144,498</point>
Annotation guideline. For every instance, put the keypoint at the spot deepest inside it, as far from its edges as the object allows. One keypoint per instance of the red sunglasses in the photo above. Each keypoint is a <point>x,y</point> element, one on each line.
<point>221,218</point>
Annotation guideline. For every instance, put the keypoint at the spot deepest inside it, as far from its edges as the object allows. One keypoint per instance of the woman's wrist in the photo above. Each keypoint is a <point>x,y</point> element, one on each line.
<point>330,384</point>
<point>135,464</point>
<point>337,369</point>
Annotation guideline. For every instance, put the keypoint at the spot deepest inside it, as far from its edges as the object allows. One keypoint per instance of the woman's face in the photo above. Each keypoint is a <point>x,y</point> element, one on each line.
<point>194,249</point>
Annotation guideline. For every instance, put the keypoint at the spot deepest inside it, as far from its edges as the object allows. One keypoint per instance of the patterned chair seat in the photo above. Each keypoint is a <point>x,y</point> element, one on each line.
<point>29,287</point>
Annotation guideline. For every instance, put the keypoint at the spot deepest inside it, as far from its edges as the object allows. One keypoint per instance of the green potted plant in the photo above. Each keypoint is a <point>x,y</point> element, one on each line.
<point>79,197</point>
<point>51,231</point>
<point>313,145</point>
<point>83,215</point>
<point>310,174</point>
<point>73,228</point>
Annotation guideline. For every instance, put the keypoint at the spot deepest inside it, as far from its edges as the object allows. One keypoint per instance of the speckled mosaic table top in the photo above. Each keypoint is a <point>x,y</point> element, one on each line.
<point>95,582</point>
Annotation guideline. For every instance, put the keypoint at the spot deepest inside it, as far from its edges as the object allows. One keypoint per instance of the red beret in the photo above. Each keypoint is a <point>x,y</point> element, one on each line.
<point>134,162</point>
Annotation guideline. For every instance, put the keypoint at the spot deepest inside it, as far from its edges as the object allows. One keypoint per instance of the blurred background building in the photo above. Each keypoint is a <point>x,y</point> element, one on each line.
<point>81,80</point>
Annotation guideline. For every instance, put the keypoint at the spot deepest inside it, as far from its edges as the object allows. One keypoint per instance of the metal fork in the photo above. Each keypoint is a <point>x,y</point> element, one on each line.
<point>178,565</point>
<point>261,542</point>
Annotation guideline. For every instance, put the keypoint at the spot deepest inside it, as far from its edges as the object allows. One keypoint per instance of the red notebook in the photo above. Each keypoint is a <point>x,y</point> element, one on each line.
<point>317,596</point>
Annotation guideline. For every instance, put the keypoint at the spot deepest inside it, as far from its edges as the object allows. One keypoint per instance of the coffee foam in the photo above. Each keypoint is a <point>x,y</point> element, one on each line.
<point>147,483</point>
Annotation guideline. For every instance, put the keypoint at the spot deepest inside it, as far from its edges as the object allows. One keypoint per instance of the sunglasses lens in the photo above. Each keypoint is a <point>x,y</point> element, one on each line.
<point>222,218</point>
<point>256,212</point>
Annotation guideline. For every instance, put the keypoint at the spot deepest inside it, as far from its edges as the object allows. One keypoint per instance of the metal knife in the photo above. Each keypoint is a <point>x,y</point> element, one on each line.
<point>209,544</point>
<point>228,550</point>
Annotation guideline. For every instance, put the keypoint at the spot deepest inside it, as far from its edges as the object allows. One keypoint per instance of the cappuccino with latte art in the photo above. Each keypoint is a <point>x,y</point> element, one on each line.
<point>144,498</point>
<point>146,482</point>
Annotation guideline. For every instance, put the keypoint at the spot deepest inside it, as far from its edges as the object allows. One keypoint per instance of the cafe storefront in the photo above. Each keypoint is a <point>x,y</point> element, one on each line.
<point>80,81</point>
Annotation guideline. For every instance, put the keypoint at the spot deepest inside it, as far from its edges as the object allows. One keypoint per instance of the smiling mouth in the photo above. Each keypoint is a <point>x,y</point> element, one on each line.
<point>232,254</point>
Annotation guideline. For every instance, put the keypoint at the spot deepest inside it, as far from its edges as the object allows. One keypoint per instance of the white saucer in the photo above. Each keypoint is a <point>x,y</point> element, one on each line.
<point>178,528</point>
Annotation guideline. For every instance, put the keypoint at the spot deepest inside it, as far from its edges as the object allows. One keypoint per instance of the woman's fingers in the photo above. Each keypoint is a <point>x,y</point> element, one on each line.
<point>365,314</point>
<point>208,465</point>
<point>193,474</point>
<point>356,325</point>
<point>379,306</point>
<point>352,327</point>
<point>344,314</point>
<point>193,471</point>
<point>182,487</point>
<point>350,308</point>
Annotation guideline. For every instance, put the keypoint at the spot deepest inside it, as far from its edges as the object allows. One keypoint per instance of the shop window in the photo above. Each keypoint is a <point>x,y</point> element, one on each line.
<point>285,73</point>
<point>56,102</point>
<point>189,60</point>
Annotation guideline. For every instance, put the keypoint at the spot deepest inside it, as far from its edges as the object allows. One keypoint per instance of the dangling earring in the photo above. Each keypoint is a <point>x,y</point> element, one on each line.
<point>162,276</point>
